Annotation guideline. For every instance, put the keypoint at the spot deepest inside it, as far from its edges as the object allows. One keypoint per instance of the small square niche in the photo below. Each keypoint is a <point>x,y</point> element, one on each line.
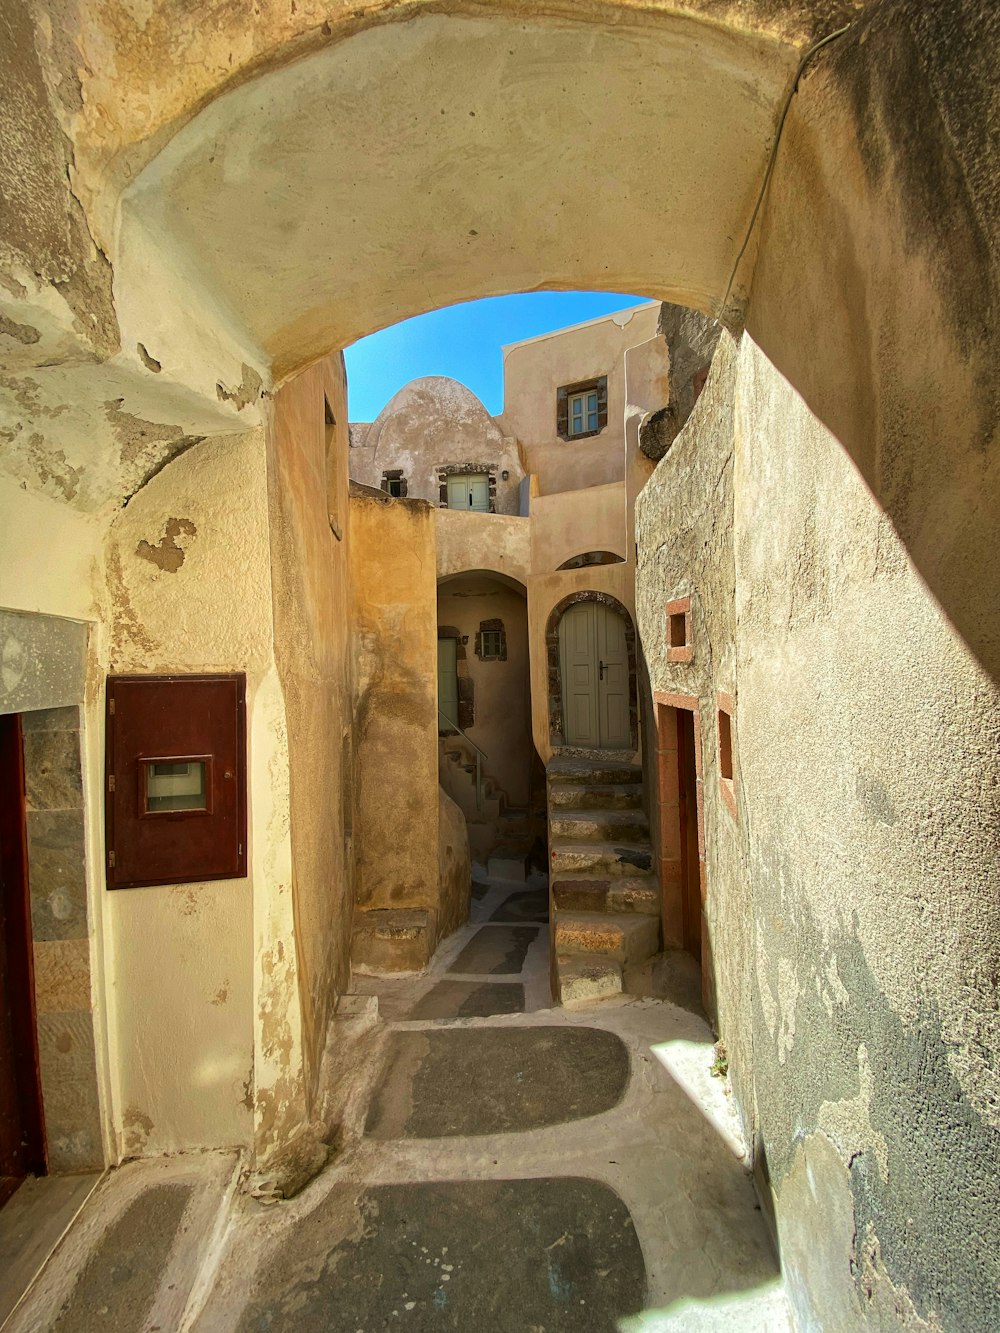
<point>679,645</point>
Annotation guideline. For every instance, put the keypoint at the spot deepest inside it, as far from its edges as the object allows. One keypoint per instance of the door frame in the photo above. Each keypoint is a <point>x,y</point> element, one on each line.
<point>15,908</point>
<point>683,877</point>
<point>556,720</point>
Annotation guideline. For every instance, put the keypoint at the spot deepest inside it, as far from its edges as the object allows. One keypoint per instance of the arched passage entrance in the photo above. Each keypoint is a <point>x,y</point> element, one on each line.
<point>591,651</point>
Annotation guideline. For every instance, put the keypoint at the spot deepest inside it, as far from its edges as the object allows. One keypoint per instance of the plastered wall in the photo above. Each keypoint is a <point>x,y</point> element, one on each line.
<point>534,371</point>
<point>502,726</point>
<point>853,903</point>
<point>395,662</point>
<point>309,521</point>
<point>188,590</point>
<point>430,424</point>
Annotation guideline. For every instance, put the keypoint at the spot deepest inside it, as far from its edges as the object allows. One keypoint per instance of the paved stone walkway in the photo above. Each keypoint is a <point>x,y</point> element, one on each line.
<point>502,1166</point>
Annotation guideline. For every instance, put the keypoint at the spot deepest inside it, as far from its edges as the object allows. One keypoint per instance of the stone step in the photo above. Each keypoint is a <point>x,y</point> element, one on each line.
<point>593,771</point>
<point>392,940</point>
<point>607,858</point>
<point>606,796</point>
<point>599,826</point>
<point>584,978</point>
<point>598,893</point>
<point>510,861</point>
<point>628,938</point>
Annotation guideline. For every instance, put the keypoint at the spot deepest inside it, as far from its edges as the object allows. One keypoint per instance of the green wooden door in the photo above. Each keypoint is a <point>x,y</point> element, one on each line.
<point>469,490</point>
<point>593,656</point>
<point>448,682</point>
<point>612,680</point>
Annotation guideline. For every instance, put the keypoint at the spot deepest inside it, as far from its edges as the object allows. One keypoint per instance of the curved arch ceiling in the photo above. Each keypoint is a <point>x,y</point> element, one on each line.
<point>424,162</point>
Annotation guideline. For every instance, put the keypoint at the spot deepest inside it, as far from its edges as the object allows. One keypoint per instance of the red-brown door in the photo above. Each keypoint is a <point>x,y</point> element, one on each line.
<point>690,860</point>
<point>22,1136</point>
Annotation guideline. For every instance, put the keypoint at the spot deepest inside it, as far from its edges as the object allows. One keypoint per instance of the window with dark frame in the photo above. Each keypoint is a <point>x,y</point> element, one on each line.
<point>491,641</point>
<point>394,483</point>
<point>582,408</point>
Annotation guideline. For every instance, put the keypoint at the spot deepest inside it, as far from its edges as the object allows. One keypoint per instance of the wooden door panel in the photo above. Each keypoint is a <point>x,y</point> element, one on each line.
<point>578,654</point>
<point>616,731</point>
<point>448,682</point>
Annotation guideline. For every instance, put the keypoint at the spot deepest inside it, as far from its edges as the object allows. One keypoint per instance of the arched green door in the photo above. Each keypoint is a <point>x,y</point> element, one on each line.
<point>593,656</point>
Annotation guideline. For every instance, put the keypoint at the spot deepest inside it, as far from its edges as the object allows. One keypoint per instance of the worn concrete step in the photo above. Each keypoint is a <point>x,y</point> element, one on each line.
<point>605,796</point>
<point>585,978</point>
<point>593,771</point>
<point>628,938</point>
<point>606,858</point>
<point>599,893</point>
<point>599,826</point>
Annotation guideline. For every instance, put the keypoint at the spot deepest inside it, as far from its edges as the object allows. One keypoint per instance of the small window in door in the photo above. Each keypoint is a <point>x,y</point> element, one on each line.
<point>469,491</point>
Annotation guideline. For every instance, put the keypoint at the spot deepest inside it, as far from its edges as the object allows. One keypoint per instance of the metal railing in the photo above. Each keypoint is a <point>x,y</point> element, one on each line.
<point>480,756</point>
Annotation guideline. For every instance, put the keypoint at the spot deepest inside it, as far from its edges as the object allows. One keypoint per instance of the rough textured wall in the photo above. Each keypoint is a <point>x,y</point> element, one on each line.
<point>310,579</point>
<point>500,693</point>
<point>395,652</point>
<point>684,528</point>
<point>455,867</point>
<point>188,590</point>
<point>431,424</point>
<point>869,650</point>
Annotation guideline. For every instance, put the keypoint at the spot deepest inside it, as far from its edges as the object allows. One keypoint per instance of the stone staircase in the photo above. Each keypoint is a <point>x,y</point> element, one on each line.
<point>500,836</point>
<point>604,898</point>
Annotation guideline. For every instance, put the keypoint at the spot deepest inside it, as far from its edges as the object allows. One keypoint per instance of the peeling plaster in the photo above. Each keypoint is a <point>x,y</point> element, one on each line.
<point>166,554</point>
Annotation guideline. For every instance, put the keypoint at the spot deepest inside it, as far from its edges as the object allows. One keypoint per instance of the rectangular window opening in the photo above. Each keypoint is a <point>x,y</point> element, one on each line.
<point>678,630</point>
<point>491,644</point>
<point>175,784</point>
<point>725,745</point>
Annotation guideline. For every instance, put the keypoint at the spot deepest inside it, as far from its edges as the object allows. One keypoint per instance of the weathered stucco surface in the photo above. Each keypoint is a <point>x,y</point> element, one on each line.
<point>500,693</point>
<point>395,664</point>
<point>864,494</point>
<point>432,423</point>
<point>866,1045</point>
<point>310,579</point>
<point>495,542</point>
<point>567,524</point>
<point>533,372</point>
<point>454,867</point>
<point>181,1011</point>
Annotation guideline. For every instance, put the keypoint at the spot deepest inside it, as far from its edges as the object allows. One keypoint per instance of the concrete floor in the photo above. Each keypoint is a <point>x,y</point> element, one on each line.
<point>502,1165</point>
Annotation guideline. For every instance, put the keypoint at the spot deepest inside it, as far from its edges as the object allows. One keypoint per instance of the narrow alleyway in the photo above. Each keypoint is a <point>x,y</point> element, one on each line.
<point>502,1165</point>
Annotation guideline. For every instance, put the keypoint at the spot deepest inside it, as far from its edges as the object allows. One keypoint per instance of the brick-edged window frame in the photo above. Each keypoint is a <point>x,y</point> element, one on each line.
<point>598,385</point>
<point>725,734</point>
<point>680,643</point>
<point>394,483</point>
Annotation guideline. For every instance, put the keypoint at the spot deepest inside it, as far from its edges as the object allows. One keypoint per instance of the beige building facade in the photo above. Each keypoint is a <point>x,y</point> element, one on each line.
<point>806,552</point>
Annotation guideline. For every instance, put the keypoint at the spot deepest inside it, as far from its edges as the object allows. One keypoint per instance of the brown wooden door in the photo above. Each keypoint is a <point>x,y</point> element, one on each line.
<point>22,1137</point>
<point>690,860</point>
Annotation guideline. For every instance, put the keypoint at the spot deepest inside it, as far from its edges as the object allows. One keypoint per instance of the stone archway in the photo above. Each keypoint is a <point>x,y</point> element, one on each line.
<point>556,719</point>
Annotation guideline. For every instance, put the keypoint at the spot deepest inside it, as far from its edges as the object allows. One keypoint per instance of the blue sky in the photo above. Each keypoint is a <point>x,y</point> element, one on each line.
<point>463,341</point>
